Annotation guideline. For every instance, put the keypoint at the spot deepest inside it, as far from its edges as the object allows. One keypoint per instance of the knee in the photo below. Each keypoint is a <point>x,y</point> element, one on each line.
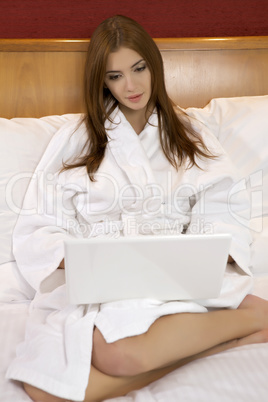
<point>38,395</point>
<point>121,358</point>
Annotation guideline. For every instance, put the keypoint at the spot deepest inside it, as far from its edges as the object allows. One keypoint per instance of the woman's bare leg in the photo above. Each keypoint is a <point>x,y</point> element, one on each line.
<point>102,386</point>
<point>175,337</point>
<point>249,323</point>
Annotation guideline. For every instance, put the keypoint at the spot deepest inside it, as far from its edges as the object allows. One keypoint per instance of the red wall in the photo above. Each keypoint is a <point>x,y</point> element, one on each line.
<point>161,18</point>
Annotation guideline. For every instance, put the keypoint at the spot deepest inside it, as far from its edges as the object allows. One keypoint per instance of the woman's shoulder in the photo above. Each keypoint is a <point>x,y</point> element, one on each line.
<point>66,143</point>
<point>73,129</point>
<point>70,138</point>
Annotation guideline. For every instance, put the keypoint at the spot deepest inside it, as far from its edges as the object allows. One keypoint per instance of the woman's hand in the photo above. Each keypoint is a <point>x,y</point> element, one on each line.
<point>62,265</point>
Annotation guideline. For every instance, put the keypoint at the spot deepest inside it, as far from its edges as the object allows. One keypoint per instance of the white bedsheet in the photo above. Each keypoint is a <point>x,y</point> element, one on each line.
<point>238,375</point>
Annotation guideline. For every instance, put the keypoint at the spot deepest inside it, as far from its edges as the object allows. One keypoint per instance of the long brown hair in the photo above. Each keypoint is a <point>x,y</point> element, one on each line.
<point>178,139</point>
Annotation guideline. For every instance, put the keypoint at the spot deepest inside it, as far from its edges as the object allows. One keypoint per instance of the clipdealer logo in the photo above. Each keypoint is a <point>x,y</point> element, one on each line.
<point>48,197</point>
<point>253,187</point>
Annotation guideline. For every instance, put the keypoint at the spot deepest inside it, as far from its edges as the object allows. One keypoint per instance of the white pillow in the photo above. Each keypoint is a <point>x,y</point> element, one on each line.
<point>23,141</point>
<point>241,125</point>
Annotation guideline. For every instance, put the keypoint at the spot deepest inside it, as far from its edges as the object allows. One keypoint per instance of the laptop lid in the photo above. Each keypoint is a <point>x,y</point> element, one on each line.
<point>184,267</point>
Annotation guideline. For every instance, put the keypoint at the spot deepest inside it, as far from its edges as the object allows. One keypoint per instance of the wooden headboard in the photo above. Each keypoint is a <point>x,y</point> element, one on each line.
<point>45,77</point>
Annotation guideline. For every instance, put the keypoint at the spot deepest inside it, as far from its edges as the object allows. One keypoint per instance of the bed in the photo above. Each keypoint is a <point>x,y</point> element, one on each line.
<point>221,81</point>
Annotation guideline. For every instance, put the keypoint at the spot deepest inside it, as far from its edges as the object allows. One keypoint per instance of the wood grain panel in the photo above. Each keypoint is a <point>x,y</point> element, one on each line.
<point>194,78</point>
<point>44,77</point>
<point>35,84</point>
<point>81,45</point>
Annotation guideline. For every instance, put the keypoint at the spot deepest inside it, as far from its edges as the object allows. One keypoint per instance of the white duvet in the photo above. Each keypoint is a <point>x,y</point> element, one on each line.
<point>136,192</point>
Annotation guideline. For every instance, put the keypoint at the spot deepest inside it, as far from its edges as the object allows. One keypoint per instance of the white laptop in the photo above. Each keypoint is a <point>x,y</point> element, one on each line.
<point>184,267</point>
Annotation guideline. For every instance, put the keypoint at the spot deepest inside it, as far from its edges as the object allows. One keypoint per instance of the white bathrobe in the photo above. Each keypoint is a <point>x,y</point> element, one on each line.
<point>136,191</point>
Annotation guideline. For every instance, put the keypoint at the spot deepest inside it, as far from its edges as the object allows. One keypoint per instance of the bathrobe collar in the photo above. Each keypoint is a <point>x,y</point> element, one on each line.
<point>132,151</point>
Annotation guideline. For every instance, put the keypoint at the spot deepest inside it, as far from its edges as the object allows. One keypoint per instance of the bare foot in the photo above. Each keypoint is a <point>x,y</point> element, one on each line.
<point>257,337</point>
<point>259,307</point>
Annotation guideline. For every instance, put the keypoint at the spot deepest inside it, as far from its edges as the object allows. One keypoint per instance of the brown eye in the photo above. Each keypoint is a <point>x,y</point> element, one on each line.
<point>114,77</point>
<point>140,68</point>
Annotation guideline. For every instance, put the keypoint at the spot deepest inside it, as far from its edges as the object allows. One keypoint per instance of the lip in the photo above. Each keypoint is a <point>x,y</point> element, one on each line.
<point>134,98</point>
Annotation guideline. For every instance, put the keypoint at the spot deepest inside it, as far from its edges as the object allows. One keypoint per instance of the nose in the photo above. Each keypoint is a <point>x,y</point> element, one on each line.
<point>130,83</point>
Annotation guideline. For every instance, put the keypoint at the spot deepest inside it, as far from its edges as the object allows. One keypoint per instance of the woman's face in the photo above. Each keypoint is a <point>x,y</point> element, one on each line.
<point>128,79</point>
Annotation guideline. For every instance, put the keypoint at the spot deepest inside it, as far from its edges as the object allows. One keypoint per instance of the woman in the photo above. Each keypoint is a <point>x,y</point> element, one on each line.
<point>134,161</point>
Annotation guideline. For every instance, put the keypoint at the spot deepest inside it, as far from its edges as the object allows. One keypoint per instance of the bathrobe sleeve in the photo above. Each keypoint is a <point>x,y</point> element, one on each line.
<point>221,201</point>
<point>48,212</point>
